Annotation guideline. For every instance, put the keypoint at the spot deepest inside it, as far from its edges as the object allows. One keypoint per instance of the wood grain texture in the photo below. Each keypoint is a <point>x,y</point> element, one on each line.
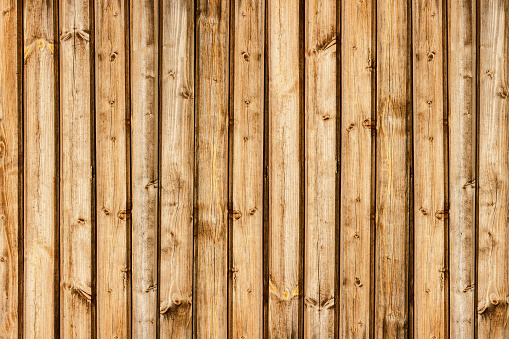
<point>493,255</point>
<point>177,170</point>
<point>246,160</point>
<point>430,212</point>
<point>144,165</point>
<point>394,159</point>
<point>462,181</point>
<point>357,74</point>
<point>321,168</point>
<point>76,171</point>
<point>285,274</point>
<point>211,168</point>
<point>111,134</point>
<point>40,172</point>
<point>9,171</point>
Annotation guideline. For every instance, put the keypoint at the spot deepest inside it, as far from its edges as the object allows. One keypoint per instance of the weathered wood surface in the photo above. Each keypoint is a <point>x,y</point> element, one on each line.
<point>493,199</point>
<point>75,170</point>
<point>357,150</point>
<point>285,167</point>
<point>211,169</point>
<point>462,181</point>
<point>246,161</point>
<point>111,172</point>
<point>254,168</point>
<point>144,165</point>
<point>10,123</point>
<point>321,168</point>
<point>41,161</point>
<point>177,169</point>
<point>430,211</point>
<point>394,159</point>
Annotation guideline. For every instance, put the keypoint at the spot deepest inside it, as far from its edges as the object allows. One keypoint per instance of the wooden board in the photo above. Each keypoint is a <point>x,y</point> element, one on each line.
<point>285,167</point>
<point>76,170</point>
<point>321,168</point>
<point>246,161</point>
<point>41,275</point>
<point>211,169</point>
<point>493,236</point>
<point>144,166</point>
<point>430,211</point>
<point>394,159</point>
<point>111,137</point>
<point>177,169</point>
<point>10,171</point>
<point>462,181</point>
<point>358,60</point>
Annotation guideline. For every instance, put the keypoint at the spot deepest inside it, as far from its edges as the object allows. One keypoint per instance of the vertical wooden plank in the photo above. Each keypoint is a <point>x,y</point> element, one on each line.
<point>9,170</point>
<point>247,162</point>
<point>493,260</point>
<point>112,215</point>
<point>462,181</point>
<point>285,276</point>
<point>144,167</point>
<point>76,167</point>
<point>41,162</point>
<point>211,171</point>
<point>430,213</point>
<point>357,99</point>
<point>177,169</point>
<point>394,159</point>
<point>321,167</point>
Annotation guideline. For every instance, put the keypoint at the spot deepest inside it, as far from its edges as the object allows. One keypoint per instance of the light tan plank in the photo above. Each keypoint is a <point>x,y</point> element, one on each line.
<point>144,143</point>
<point>394,111</point>
<point>9,170</point>
<point>247,163</point>
<point>75,169</point>
<point>430,215</point>
<point>177,166</point>
<point>461,70</point>
<point>211,152</point>
<point>285,276</point>
<point>321,167</point>
<point>112,217</point>
<point>357,75</point>
<point>41,263</point>
<point>493,260</point>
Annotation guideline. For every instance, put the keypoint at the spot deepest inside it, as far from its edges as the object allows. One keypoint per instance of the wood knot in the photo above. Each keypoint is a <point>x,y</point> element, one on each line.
<point>350,127</point>
<point>106,211</point>
<point>185,93</point>
<point>357,282</point>
<point>326,117</point>
<point>470,183</point>
<point>369,124</point>
<point>431,56</point>
<point>253,210</point>
<point>423,211</point>
<point>123,215</point>
<point>442,214</point>
<point>235,214</point>
<point>151,183</point>
<point>503,93</point>
<point>113,56</point>
<point>83,35</point>
<point>245,55</point>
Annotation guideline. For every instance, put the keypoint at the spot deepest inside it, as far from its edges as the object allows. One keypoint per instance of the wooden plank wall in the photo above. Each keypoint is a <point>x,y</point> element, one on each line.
<point>254,169</point>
